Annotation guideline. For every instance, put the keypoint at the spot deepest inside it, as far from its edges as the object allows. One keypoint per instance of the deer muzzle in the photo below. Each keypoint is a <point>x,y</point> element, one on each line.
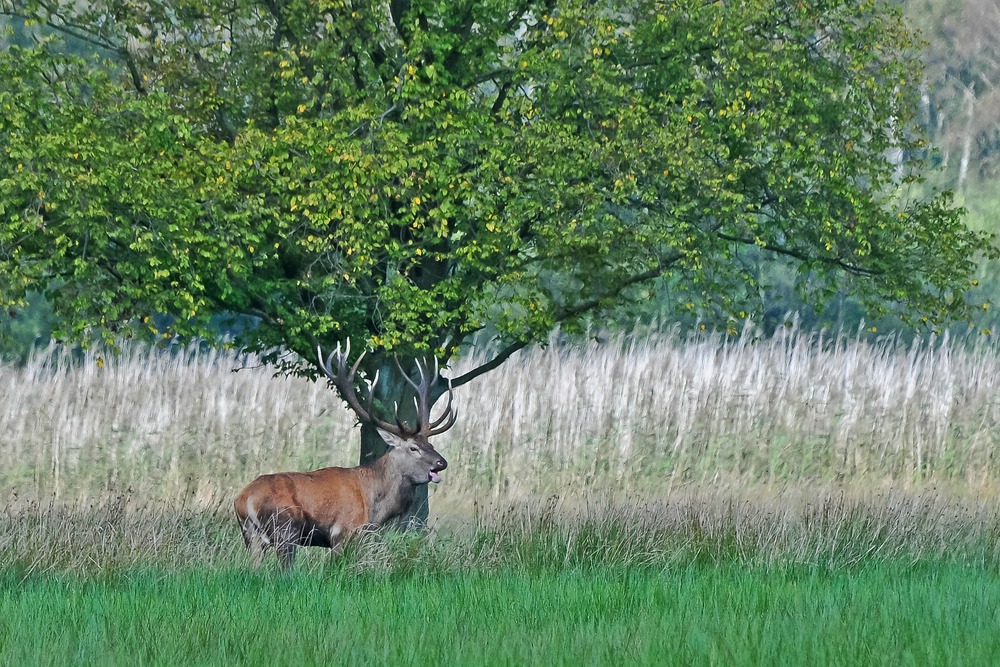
<point>438,467</point>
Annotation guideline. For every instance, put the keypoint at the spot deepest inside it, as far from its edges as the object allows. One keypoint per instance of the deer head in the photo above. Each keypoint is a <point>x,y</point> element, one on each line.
<point>411,448</point>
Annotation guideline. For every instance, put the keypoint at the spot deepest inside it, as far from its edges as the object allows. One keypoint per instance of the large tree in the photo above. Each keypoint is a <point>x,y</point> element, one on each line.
<point>408,173</point>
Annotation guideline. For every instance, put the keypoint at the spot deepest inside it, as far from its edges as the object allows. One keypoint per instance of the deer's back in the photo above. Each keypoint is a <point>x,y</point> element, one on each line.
<point>330,497</point>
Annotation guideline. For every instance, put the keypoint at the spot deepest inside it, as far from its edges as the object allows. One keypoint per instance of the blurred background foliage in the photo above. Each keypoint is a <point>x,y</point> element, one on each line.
<point>961,113</point>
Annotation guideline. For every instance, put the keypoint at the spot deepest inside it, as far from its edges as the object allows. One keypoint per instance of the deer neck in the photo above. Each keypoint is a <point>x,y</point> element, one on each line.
<point>391,494</point>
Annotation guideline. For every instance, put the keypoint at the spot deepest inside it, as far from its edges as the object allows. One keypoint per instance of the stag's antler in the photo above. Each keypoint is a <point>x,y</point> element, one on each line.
<point>343,379</point>
<point>335,368</point>
<point>425,425</point>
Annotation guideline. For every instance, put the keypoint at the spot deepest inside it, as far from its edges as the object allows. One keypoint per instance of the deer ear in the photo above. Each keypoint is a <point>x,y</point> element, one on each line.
<point>391,438</point>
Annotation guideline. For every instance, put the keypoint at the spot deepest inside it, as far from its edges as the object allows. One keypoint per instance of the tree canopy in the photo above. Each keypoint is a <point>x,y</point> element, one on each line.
<point>408,173</point>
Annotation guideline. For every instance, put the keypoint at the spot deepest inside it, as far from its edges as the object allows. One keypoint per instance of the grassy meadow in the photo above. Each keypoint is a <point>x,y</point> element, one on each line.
<point>691,615</point>
<point>655,500</point>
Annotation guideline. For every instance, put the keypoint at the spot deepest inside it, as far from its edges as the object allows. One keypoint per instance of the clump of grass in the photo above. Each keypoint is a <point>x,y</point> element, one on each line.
<point>712,525</point>
<point>114,533</point>
<point>826,529</point>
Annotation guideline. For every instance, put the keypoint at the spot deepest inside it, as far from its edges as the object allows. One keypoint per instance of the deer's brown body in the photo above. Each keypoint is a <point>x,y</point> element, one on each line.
<point>322,508</point>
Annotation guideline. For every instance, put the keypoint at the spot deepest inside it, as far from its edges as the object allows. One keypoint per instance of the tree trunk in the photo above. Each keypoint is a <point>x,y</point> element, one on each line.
<point>963,165</point>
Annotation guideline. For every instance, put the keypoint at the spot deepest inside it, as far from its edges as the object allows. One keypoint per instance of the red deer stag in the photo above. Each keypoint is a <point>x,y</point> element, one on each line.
<point>323,507</point>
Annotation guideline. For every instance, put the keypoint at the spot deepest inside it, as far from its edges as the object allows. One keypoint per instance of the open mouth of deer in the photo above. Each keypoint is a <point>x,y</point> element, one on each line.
<point>433,474</point>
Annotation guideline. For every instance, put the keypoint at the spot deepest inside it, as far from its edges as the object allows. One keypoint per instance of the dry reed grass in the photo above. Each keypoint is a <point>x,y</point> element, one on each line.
<point>652,448</point>
<point>651,413</point>
<point>165,426</point>
<point>816,528</point>
<point>642,415</point>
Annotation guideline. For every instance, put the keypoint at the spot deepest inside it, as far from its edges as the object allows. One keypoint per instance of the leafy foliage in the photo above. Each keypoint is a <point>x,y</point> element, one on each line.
<point>409,172</point>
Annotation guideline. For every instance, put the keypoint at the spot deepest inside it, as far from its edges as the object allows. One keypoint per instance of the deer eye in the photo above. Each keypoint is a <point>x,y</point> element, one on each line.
<point>414,449</point>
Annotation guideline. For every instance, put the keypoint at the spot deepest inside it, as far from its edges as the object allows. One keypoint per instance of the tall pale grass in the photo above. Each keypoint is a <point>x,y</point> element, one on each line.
<point>160,424</point>
<point>720,524</point>
<point>642,415</point>
<point>648,413</point>
<point>649,449</point>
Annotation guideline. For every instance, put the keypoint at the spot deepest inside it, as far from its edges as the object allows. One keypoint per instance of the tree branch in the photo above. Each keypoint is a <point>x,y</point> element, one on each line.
<point>133,70</point>
<point>60,23</point>
<point>71,30</point>
<point>493,75</point>
<point>567,313</point>
<point>501,357</point>
<point>789,252</point>
<point>501,97</point>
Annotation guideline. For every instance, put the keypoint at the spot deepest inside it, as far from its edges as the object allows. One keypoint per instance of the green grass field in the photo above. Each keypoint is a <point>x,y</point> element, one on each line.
<point>698,614</point>
<point>785,502</point>
<point>807,579</point>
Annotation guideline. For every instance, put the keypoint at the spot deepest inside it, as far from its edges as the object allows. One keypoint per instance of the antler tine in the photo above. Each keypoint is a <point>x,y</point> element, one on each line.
<point>344,381</point>
<point>433,425</point>
<point>341,356</point>
<point>422,389</point>
<point>420,401</point>
<point>403,428</point>
<point>341,378</point>
<point>448,417</point>
<point>406,376</point>
<point>325,364</point>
